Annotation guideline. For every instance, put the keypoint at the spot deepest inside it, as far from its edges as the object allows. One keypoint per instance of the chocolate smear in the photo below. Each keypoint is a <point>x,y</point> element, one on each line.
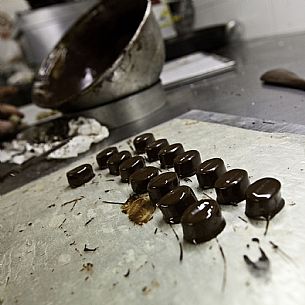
<point>139,209</point>
<point>260,267</point>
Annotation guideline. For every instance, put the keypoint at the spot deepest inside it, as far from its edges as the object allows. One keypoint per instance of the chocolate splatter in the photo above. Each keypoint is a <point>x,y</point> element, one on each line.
<point>244,220</point>
<point>267,226</point>
<point>139,209</point>
<point>86,249</point>
<point>224,275</point>
<point>87,268</point>
<point>156,230</point>
<point>110,180</point>
<point>129,143</point>
<point>127,273</point>
<point>73,201</point>
<point>89,221</point>
<point>113,202</point>
<point>281,252</point>
<point>180,244</point>
<point>255,240</point>
<point>51,206</point>
<point>261,266</point>
<point>60,226</point>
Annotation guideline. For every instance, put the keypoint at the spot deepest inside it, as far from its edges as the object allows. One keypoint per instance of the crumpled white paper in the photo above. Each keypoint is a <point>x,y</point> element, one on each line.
<point>84,132</point>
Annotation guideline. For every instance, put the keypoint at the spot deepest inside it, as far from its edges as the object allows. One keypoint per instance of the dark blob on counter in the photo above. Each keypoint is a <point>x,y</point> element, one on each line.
<point>209,171</point>
<point>139,180</point>
<point>174,203</point>
<point>186,163</point>
<point>202,221</point>
<point>130,166</point>
<point>153,149</point>
<point>263,199</point>
<point>80,175</point>
<point>169,153</point>
<point>141,141</point>
<point>103,156</point>
<point>161,185</point>
<point>231,186</point>
<point>116,160</point>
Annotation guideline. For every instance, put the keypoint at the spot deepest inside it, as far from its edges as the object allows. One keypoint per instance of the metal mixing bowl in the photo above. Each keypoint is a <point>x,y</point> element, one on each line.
<point>114,50</point>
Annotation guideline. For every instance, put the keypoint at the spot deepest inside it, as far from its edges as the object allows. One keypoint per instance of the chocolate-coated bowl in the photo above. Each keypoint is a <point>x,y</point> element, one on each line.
<point>114,50</point>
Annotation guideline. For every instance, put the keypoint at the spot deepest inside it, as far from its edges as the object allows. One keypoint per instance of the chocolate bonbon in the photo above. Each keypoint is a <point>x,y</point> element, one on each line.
<point>186,163</point>
<point>168,154</point>
<point>80,175</point>
<point>263,199</point>
<point>202,221</point>
<point>139,180</point>
<point>161,185</point>
<point>103,156</point>
<point>231,186</point>
<point>209,171</point>
<point>153,149</point>
<point>174,203</point>
<point>141,141</point>
<point>115,161</point>
<point>129,166</point>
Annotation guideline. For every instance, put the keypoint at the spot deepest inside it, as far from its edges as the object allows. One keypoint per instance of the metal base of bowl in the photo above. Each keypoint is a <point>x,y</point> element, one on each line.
<point>128,109</point>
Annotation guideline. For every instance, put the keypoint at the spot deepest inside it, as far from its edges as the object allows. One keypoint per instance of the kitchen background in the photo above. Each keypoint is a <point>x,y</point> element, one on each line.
<point>258,18</point>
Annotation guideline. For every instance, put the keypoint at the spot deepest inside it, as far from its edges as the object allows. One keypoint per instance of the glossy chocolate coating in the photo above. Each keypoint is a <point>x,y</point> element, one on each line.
<point>80,175</point>
<point>130,166</point>
<point>209,171</point>
<point>141,141</point>
<point>161,185</point>
<point>231,186</point>
<point>263,198</point>
<point>174,203</point>
<point>103,156</point>
<point>169,153</point>
<point>153,148</point>
<point>116,160</point>
<point>140,179</point>
<point>186,163</point>
<point>202,221</point>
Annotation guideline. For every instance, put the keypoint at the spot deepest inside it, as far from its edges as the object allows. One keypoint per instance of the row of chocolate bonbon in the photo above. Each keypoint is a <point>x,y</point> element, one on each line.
<point>178,203</point>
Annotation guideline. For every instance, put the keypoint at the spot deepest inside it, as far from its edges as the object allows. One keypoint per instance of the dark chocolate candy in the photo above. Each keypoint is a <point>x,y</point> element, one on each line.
<point>168,154</point>
<point>80,175</point>
<point>116,160</point>
<point>209,171</point>
<point>202,221</point>
<point>153,148</point>
<point>231,186</point>
<point>103,156</point>
<point>174,203</point>
<point>263,199</point>
<point>140,179</point>
<point>161,185</point>
<point>186,163</point>
<point>141,141</point>
<point>130,166</point>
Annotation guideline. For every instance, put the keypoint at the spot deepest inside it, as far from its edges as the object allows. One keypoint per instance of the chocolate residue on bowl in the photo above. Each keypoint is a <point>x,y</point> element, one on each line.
<point>139,209</point>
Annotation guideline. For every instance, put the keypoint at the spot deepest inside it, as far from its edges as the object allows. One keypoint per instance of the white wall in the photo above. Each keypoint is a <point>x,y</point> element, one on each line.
<point>259,17</point>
